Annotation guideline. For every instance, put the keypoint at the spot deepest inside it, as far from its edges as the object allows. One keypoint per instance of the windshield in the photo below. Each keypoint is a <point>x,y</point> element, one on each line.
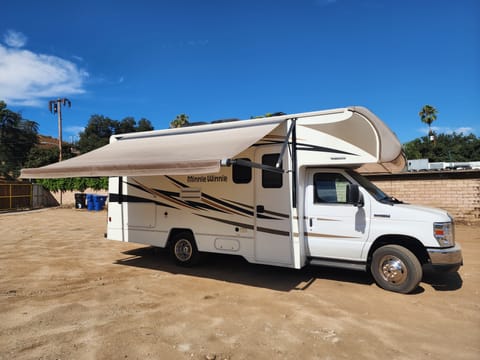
<point>378,194</point>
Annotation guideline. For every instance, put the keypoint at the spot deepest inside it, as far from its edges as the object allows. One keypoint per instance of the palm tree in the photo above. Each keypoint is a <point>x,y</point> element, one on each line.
<point>180,121</point>
<point>428,115</point>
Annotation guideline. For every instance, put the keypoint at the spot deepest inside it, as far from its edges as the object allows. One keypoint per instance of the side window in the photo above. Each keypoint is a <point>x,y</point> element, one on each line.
<point>330,188</point>
<point>270,179</point>
<point>241,174</point>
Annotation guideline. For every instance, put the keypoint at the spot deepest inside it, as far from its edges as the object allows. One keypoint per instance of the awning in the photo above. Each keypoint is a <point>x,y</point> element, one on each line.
<point>190,150</point>
<point>340,137</point>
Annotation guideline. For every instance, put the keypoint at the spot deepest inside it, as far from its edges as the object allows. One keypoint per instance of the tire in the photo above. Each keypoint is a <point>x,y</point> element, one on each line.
<point>396,269</point>
<point>184,250</point>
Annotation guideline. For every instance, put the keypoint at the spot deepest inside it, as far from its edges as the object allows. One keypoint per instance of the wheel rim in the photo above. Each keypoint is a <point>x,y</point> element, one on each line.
<point>183,250</point>
<point>393,270</point>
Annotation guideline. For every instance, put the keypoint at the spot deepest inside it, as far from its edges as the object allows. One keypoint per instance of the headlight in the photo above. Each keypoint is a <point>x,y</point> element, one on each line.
<point>444,234</point>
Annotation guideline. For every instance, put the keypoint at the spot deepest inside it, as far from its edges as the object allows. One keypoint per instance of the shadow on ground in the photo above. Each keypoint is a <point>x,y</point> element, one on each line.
<point>442,281</point>
<point>236,269</point>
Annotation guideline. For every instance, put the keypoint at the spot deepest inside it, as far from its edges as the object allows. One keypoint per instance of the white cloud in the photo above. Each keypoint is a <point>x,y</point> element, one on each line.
<point>74,130</point>
<point>15,39</point>
<point>28,78</point>
<point>77,58</point>
<point>465,130</point>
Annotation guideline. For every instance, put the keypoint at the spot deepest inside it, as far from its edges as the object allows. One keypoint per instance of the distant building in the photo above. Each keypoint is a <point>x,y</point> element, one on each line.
<point>425,165</point>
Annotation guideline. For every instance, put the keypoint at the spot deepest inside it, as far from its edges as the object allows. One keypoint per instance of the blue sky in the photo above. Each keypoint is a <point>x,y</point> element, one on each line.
<point>217,59</point>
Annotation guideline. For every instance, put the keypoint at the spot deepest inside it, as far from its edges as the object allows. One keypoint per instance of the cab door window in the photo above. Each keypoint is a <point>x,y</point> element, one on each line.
<point>330,188</point>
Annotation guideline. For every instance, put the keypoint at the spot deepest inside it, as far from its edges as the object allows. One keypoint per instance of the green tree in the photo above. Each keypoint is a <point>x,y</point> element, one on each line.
<point>74,184</point>
<point>96,133</point>
<point>38,156</point>
<point>127,125</point>
<point>428,115</point>
<point>99,129</point>
<point>180,121</point>
<point>17,137</point>
<point>449,147</point>
<point>144,125</point>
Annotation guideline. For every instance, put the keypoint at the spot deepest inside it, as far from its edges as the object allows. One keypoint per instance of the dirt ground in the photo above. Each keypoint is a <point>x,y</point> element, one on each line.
<point>67,293</point>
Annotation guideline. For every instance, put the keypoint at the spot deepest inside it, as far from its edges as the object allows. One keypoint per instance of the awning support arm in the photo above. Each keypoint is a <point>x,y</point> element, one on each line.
<point>247,163</point>
<point>285,143</point>
<point>294,163</point>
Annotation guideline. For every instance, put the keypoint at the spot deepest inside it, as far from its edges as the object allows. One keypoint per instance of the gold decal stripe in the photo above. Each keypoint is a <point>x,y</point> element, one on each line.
<point>331,236</point>
<point>160,195</point>
<point>222,208</point>
<point>320,219</point>
<point>229,222</point>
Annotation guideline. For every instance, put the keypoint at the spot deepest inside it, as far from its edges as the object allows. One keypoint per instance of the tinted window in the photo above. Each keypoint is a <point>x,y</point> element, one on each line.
<point>241,174</point>
<point>271,179</point>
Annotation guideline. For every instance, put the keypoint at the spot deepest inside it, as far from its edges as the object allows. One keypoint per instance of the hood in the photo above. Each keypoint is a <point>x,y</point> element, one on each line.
<point>414,213</point>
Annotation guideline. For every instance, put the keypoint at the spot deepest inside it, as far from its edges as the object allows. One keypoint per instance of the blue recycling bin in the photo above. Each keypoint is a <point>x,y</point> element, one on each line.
<point>99,202</point>
<point>103,199</point>
<point>90,202</point>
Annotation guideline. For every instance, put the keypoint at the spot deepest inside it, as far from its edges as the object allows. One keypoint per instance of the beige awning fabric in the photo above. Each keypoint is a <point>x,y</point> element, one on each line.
<point>191,150</point>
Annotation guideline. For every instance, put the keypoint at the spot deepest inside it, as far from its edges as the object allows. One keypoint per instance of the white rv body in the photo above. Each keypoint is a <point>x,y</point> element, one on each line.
<point>221,213</point>
<point>279,191</point>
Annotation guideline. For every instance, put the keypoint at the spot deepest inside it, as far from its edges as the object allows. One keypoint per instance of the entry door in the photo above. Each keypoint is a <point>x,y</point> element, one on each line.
<point>273,244</point>
<point>334,228</point>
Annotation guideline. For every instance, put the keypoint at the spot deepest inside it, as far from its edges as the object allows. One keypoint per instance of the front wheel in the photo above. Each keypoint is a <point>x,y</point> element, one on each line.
<point>184,250</point>
<point>396,268</point>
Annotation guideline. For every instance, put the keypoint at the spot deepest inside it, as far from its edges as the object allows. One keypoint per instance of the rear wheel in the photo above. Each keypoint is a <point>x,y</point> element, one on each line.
<point>184,250</point>
<point>396,268</point>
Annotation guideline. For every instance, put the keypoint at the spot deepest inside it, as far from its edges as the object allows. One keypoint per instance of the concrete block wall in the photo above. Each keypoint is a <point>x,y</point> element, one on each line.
<point>458,192</point>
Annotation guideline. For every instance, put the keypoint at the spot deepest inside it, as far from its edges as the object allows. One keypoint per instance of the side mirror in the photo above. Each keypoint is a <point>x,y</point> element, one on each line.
<point>355,197</point>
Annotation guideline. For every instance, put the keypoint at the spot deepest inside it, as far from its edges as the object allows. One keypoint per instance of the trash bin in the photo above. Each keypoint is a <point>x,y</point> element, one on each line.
<point>90,202</point>
<point>80,201</point>
<point>99,201</point>
<point>103,200</point>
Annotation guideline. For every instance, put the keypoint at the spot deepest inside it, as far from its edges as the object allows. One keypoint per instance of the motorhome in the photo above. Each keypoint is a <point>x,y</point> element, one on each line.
<point>283,190</point>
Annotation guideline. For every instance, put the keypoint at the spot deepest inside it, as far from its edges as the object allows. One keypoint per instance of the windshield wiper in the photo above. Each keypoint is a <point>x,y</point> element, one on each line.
<point>390,200</point>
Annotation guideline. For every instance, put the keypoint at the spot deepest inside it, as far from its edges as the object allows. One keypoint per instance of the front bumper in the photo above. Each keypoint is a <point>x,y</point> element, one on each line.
<point>449,259</point>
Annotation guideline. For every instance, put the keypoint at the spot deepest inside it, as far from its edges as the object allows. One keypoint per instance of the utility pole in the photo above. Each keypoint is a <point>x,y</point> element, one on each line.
<point>55,107</point>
